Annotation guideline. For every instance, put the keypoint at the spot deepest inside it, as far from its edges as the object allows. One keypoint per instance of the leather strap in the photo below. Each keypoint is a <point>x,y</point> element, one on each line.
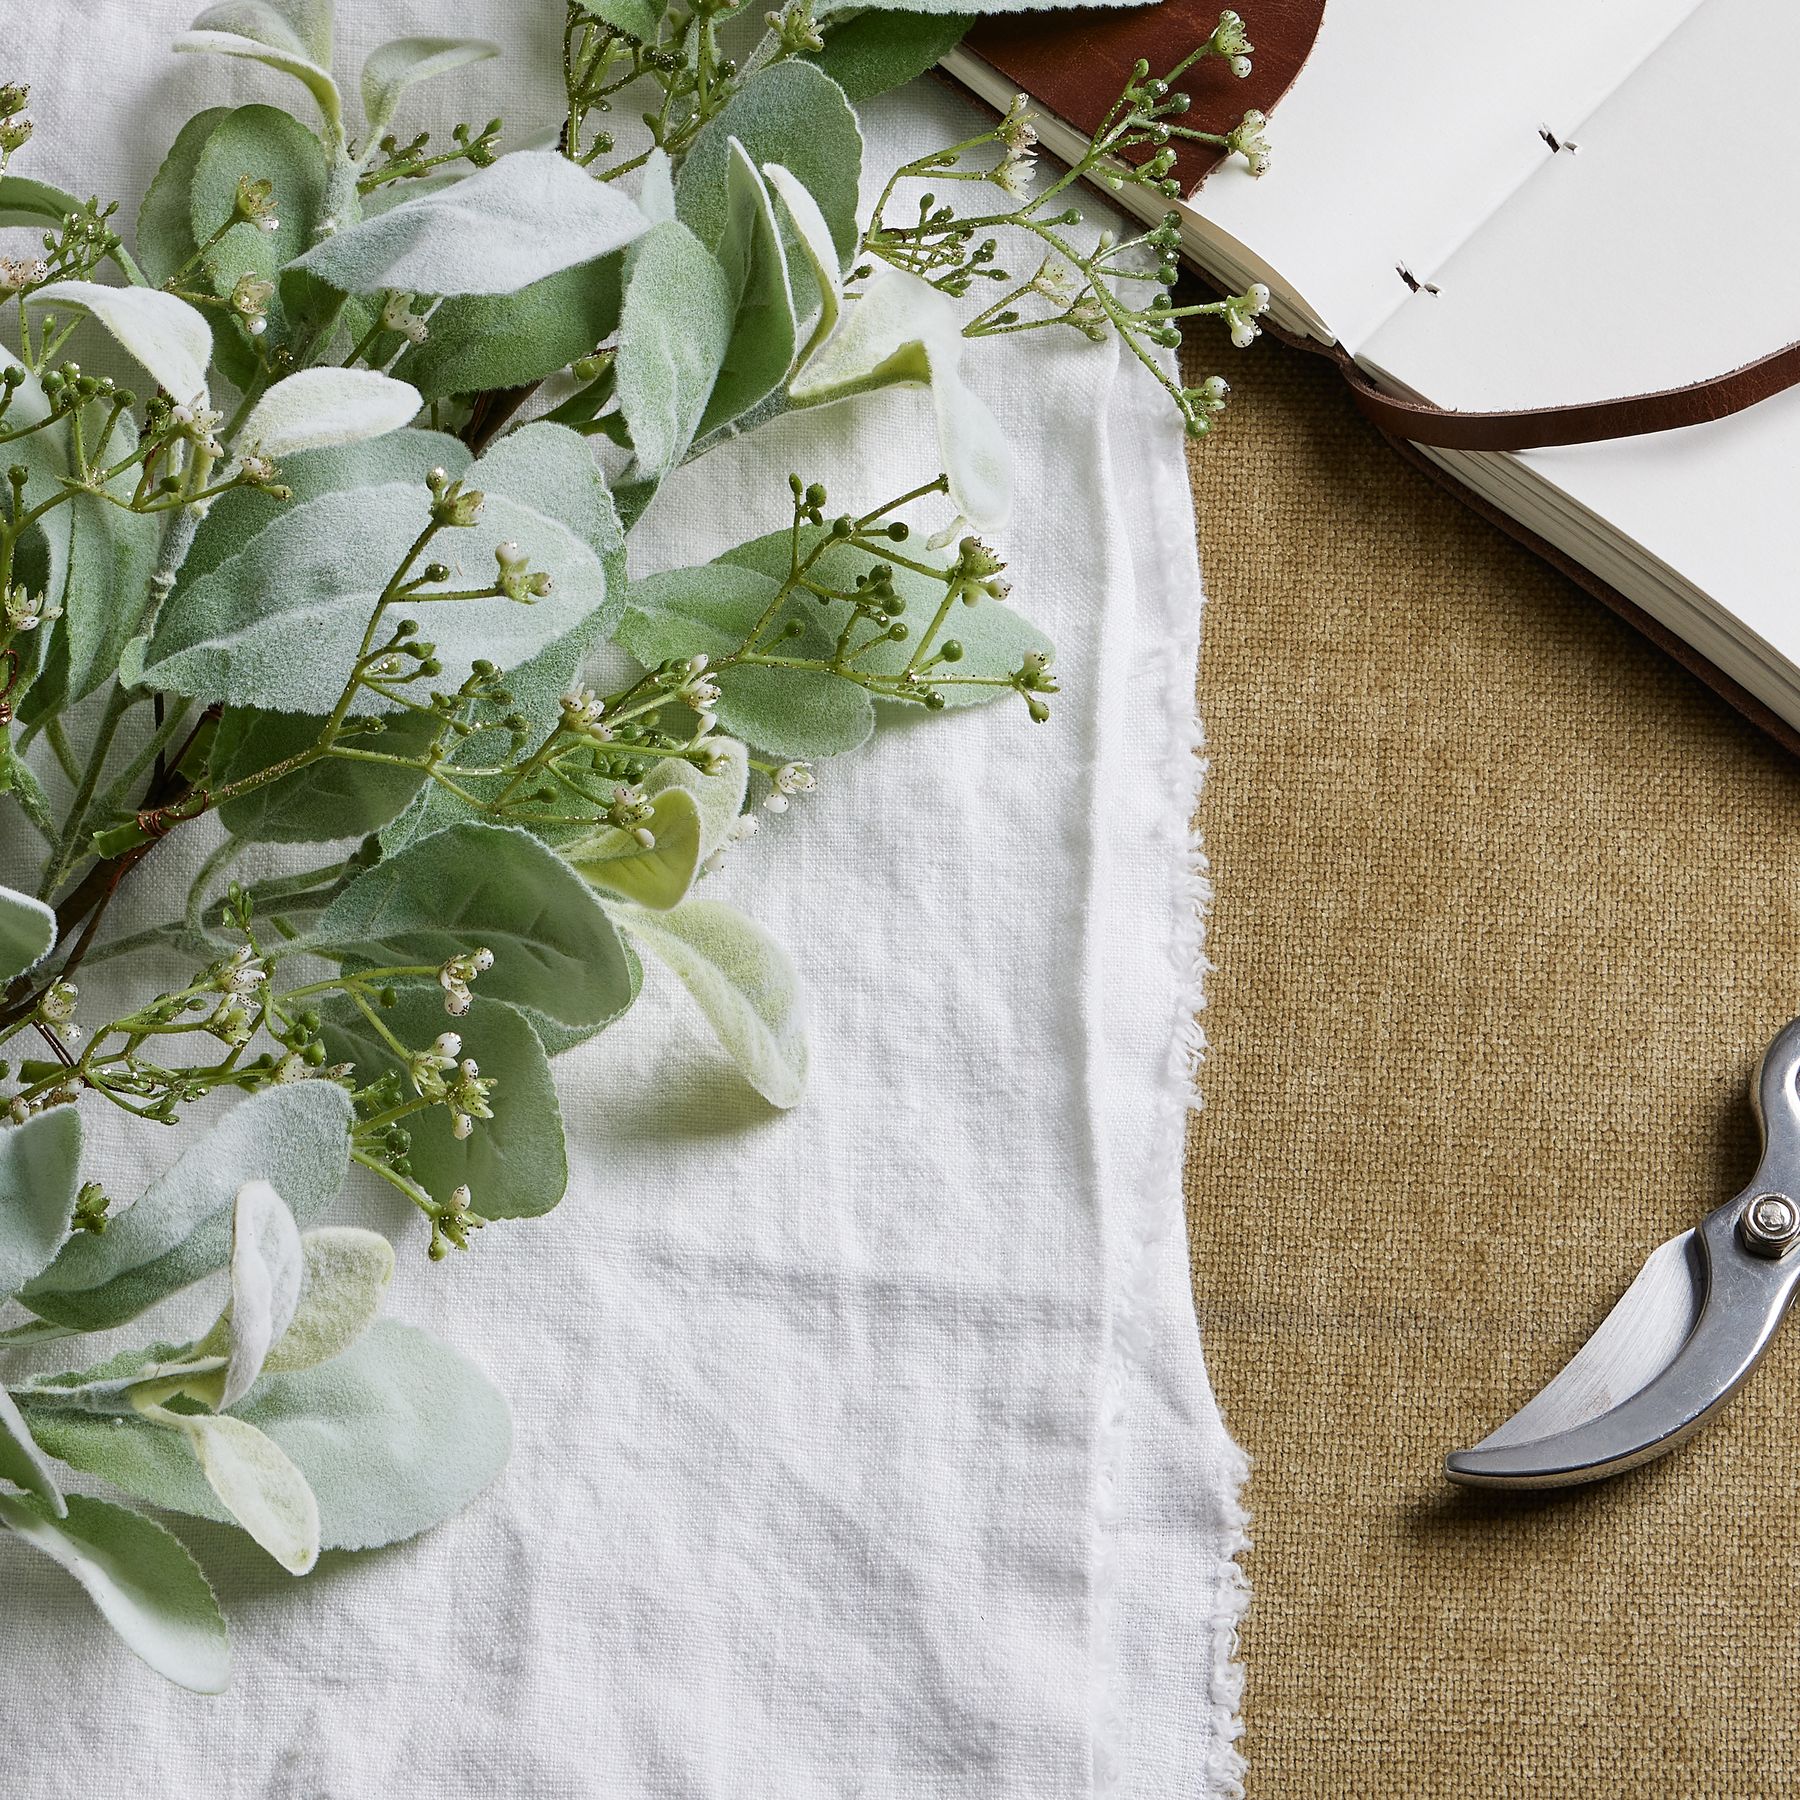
<point>1532,428</point>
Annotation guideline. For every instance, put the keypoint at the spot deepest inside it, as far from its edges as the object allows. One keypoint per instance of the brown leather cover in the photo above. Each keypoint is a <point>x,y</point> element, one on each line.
<point>1075,63</point>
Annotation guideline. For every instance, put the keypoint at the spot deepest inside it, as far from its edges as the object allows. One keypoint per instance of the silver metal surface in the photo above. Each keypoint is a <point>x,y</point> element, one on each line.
<point>1684,1336</point>
<point>1770,1224</point>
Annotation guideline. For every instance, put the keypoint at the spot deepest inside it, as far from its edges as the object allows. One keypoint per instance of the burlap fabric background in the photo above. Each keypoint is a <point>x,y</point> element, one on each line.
<point>1506,911</point>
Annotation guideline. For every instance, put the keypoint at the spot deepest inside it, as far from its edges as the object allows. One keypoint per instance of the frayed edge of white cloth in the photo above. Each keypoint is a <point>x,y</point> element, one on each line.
<point>1133,1331</point>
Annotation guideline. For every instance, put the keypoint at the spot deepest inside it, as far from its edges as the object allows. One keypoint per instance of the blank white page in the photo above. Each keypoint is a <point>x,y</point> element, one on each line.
<point>1662,251</point>
<point>1411,122</point>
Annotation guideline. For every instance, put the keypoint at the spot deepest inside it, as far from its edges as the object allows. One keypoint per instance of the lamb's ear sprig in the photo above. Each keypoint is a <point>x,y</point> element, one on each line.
<point>316,599</point>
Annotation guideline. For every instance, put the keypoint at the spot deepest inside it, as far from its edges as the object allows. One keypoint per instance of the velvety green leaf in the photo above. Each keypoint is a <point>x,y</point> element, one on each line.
<point>297,1138</point>
<point>335,798</point>
<point>493,887</point>
<point>33,203</point>
<point>514,1164</point>
<point>266,145</point>
<point>817,251</point>
<point>656,191</point>
<point>712,610</point>
<point>296,27</point>
<point>257,1484</point>
<point>170,338</point>
<point>318,409</point>
<point>266,1268</point>
<point>479,341</point>
<point>276,624</point>
<point>764,331</point>
<point>165,226</point>
<point>719,797</point>
<point>44,456</point>
<point>789,113</point>
<point>253,29</point>
<point>673,331</point>
<point>528,216</point>
<point>393,1436</point>
<point>637,19</point>
<point>878,50</point>
<point>401,456</point>
<point>994,638</point>
<point>744,982</point>
<point>146,1585</point>
<point>22,1462</point>
<point>345,1274</point>
<point>552,469</point>
<point>658,877</point>
<point>112,556</point>
<point>904,331</point>
<point>393,68</point>
<point>39,1178</point>
<point>27,932</point>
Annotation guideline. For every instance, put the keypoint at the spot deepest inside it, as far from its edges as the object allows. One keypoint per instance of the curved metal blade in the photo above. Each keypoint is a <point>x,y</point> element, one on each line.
<point>1633,1344</point>
<point>1679,1344</point>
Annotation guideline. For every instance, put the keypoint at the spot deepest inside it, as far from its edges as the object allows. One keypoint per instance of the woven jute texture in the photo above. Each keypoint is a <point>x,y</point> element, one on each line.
<point>1506,911</point>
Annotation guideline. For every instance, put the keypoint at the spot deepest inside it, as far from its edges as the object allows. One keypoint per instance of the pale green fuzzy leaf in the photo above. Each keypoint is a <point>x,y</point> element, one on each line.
<point>764,331</point>
<point>514,1164</point>
<point>18,779</point>
<point>27,932</point>
<point>528,216</point>
<point>402,456</point>
<point>346,1272</point>
<point>790,114</point>
<point>112,556</point>
<point>719,797</point>
<point>994,638</point>
<point>712,610</point>
<point>478,342</point>
<point>819,253</point>
<point>39,1178</point>
<point>170,338</point>
<point>266,1269</point>
<point>165,226</point>
<point>22,1462</point>
<point>141,1577</point>
<point>658,877</point>
<point>277,624</point>
<point>656,192</point>
<point>33,204</point>
<point>673,331</point>
<point>635,18</point>
<point>334,798</point>
<point>904,331</point>
<point>267,145</point>
<point>297,1138</point>
<point>316,409</point>
<point>745,983</point>
<point>494,887</point>
<point>393,1436</point>
<point>298,27</point>
<point>241,31</point>
<point>393,68</point>
<point>878,50</point>
<point>552,469</point>
<point>257,1483</point>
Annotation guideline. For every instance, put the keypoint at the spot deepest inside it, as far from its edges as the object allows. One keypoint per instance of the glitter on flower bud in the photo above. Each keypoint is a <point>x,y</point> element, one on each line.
<point>250,299</point>
<point>23,611</point>
<point>1247,140</point>
<point>1241,311</point>
<point>795,778</point>
<point>455,978</point>
<point>1229,38</point>
<point>255,204</point>
<point>397,315</point>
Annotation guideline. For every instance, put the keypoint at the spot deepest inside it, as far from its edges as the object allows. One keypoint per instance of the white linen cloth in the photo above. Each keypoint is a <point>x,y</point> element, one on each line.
<point>861,1451</point>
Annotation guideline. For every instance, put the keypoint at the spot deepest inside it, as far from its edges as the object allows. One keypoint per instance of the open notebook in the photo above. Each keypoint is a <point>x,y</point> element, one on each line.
<point>1518,205</point>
